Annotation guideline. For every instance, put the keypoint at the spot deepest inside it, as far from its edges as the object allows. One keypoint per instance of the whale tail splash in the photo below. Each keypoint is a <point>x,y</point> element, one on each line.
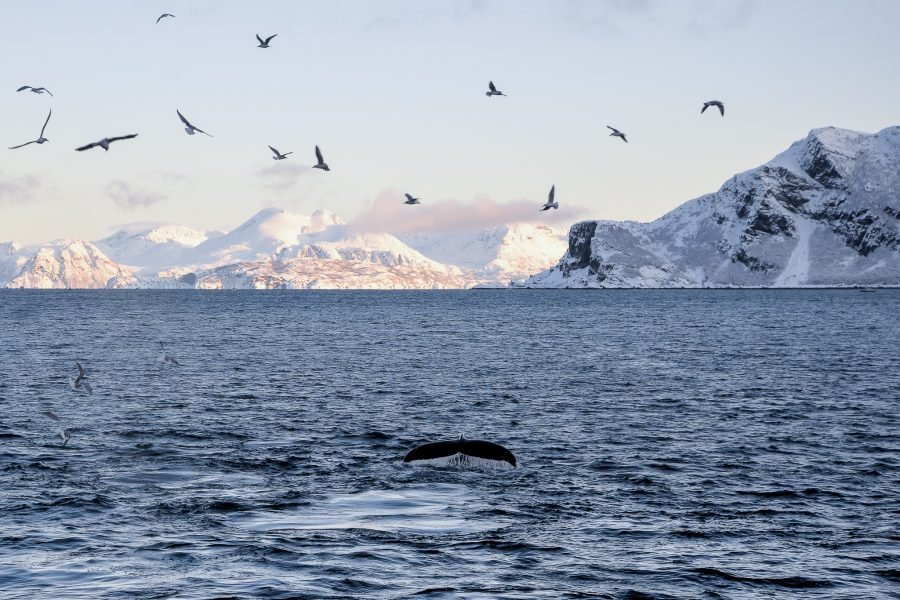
<point>468,451</point>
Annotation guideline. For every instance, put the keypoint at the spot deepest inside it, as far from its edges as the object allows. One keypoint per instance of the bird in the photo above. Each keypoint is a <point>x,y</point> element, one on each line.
<point>617,133</point>
<point>715,103</point>
<point>279,155</point>
<point>492,90</point>
<point>105,142</point>
<point>78,383</point>
<point>164,15</point>
<point>36,90</point>
<point>550,203</point>
<point>165,357</point>
<point>321,164</point>
<point>64,434</point>
<point>190,129</point>
<point>41,139</point>
<point>411,200</point>
<point>465,448</point>
<point>265,43</point>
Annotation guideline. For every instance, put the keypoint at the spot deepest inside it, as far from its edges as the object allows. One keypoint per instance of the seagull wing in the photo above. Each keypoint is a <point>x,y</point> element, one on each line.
<point>183,120</point>
<point>163,16</point>
<point>705,106</point>
<point>21,145</point>
<point>491,86</point>
<point>722,109</point>
<point>45,122</point>
<point>80,373</point>
<point>87,146</point>
<point>43,89</point>
<point>409,197</point>
<point>552,194</point>
<point>269,39</point>
<point>624,139</point>
<point>122,137</point>
<point>432,451</point>
<point>277,153</point>
<point>260,39</point>
<point>24,87</point>
<point>613,129</point>
<point>488,451</point>
<point>319,155</point>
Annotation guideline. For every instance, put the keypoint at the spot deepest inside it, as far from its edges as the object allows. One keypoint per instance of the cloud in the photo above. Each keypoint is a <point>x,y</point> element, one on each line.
<point>388,214</point>
<point>284,176</point>
<point>19,189</point>
<point>128,198</point>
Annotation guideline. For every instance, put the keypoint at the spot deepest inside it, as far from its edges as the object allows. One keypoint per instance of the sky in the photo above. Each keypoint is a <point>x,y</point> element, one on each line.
<point>393,92</point>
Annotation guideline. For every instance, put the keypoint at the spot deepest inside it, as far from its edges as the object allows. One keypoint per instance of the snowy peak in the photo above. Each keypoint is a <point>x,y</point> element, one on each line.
<point>822,213</point>
<point>66,264</point>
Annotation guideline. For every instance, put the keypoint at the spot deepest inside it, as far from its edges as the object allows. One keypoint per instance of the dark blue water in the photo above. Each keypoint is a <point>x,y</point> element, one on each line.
<point>672,444</point>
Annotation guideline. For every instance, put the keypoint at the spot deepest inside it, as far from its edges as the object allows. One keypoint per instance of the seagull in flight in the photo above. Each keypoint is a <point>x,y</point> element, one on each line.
<point>718,104</point>
<point>321,164</point>
<point>78,383</point>
<point>163,16</point>
<point>492,90</point>
<point>165,357</point>
<point>279,155</point>
<point>105,142</point>
<point>551,203</point>
<point>41,139</point>
<point>264,43</point>
<point>190,129</point>
<point>36,90</point>
<point>411,200</point>
<point>617,133</point>
<point>63,432</point>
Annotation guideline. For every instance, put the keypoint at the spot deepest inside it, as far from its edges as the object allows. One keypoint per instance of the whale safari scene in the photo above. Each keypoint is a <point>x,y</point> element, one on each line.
<point>451,299</point>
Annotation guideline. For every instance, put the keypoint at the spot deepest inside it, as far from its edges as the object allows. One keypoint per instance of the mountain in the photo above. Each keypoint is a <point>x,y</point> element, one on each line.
<point>498,254</point>
<point>63,264</point>
<point>156,246</point>
<point>826,212</point>
<point>279,249</point>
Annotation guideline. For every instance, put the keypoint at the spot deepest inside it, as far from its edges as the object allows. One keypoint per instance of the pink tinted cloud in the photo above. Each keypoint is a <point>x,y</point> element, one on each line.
<point>388,214</point>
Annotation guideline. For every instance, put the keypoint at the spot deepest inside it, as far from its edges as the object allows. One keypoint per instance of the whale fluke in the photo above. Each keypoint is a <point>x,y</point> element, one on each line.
<point>475,448</point>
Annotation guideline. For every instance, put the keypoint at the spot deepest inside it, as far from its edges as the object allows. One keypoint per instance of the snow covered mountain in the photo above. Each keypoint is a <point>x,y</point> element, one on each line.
<point>826,212</point>
<point>279,249</point>
<point>505,253</point>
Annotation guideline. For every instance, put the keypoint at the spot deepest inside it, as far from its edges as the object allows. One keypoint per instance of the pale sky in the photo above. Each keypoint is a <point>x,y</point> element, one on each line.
<point>393,92</point>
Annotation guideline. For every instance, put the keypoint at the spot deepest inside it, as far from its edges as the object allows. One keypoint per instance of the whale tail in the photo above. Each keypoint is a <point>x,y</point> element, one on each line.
<point>480,450</point>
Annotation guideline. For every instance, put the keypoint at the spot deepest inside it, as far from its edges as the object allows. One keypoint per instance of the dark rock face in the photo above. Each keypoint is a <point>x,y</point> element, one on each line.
<point>860,229</point>
<point>767,220</point>
<point>580,255</point>
<point>751,262</point>
<point>188,279</point>
<point>821,167</point>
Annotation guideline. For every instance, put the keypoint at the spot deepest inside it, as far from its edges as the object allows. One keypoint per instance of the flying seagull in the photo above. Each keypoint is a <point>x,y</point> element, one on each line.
<point>78,383</point>
<point>164,15</point>
<point>550,203</point>
<point>411,200</point>
<point>190,129</point>
<point>715,103</point>
<point>41,139</point>
<point>105,142</point>
<point>492,90</point>
<point>279,155</point>
<point>36,90</point>
<point>617,133</point>
<point>321,164</point>
<point>165,357</point>
<point>465,448</point>
<point>64,434</point>
<point>264,43</point>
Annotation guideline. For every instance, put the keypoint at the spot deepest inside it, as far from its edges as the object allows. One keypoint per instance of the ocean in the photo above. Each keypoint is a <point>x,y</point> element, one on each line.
<point>671,444</point>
